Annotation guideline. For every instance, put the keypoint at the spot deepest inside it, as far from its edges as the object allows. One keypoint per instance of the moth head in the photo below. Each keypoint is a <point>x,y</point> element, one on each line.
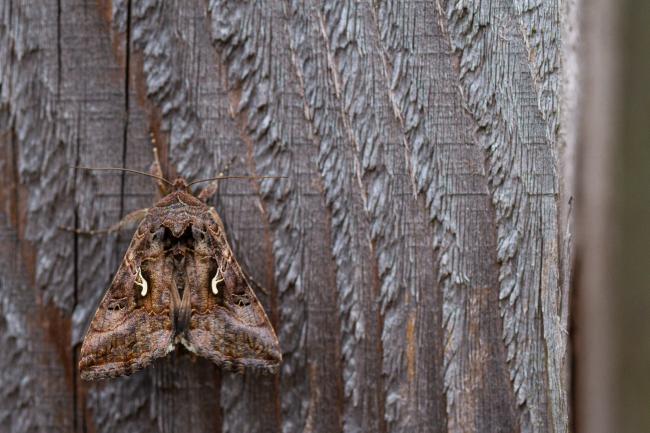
<point>180,184</point>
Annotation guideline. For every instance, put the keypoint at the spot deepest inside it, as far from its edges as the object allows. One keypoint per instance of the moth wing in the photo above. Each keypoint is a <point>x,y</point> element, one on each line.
<point>228,327</point>
<point>129,330</point>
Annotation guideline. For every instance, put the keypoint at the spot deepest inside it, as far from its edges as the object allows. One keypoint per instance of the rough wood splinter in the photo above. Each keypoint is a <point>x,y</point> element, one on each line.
<point>179,283</point>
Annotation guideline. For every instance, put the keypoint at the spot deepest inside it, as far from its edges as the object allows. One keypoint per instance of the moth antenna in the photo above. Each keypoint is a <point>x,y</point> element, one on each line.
<point>123,169</point>
<point>236,177</point>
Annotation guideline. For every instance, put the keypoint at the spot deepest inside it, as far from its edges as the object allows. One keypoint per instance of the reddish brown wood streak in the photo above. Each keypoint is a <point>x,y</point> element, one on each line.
<point>164,294</point>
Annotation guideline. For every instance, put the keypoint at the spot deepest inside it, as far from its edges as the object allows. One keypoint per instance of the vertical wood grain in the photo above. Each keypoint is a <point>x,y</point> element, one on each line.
<point>416,260</point>
<point>268,102</point>
<point>517,132</point>
<point>400,233</point>
<point>450,171</point>
<point>37,266</point>
<point>357,266</point>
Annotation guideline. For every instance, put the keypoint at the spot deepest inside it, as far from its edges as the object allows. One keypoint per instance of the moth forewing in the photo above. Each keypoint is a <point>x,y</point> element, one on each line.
<point>124,336</point>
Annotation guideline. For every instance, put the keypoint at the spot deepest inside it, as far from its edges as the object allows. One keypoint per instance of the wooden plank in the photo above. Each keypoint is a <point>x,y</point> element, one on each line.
<point>96,104</point>
<point>200,129</point>
<point>37,273</point>
<point>500,92</point>
<point>400,229</point>
<point>449,167</point>
<point>357,268</point>
<point>268,100</point>
<point>178,392</point>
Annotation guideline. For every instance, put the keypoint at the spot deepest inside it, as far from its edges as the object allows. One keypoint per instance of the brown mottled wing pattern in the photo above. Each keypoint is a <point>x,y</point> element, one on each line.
<point>129,329</point>
<point>229,327</point>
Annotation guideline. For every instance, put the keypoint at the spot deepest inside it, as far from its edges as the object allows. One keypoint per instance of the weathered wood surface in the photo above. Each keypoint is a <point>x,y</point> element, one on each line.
<point>417,256</point>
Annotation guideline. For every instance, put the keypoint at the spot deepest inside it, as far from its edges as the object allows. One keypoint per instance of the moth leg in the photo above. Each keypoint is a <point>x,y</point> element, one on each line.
<point>213,187</point>
<point>156,169</point>
<point>129,219</point>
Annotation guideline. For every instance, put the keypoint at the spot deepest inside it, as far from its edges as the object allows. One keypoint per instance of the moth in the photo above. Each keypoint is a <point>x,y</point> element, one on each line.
<point>178,284</point>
